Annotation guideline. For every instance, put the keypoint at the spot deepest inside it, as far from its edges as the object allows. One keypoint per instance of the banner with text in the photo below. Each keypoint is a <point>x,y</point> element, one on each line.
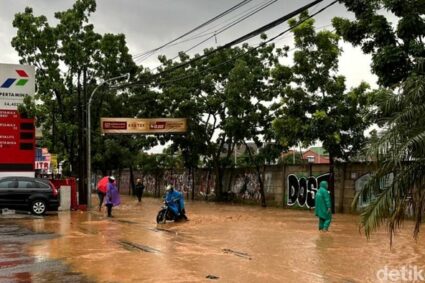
<point>143,126</point>
<point>17,138</point>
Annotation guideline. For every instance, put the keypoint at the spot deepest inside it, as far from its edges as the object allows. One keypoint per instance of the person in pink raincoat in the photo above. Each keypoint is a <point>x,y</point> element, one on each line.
<point>112,197</point>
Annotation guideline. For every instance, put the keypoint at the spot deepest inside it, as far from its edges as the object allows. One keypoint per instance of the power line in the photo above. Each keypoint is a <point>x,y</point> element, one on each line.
<point>255,48</point>
<point>240,4</point>
<point>230,25</point>
<point>241,39</point>
<point>226,23</point>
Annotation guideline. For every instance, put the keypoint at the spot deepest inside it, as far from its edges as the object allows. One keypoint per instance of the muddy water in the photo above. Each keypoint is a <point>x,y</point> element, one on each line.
<point>227,243</point>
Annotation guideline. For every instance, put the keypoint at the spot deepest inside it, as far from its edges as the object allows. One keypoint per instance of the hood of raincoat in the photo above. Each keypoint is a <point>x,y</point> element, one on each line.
<point>323,185</point>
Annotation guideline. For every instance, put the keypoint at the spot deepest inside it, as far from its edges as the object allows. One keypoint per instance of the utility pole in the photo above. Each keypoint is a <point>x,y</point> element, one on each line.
<point>88,146</point>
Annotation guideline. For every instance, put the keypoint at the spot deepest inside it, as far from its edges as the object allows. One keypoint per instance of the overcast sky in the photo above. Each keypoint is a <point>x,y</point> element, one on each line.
<point>147,24</point>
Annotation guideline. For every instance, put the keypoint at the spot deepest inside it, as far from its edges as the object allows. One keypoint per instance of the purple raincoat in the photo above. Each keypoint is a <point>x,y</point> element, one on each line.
<point>112,195</point>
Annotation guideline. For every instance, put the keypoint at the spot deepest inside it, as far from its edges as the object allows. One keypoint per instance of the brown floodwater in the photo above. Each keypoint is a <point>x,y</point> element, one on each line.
<point>230,243</point>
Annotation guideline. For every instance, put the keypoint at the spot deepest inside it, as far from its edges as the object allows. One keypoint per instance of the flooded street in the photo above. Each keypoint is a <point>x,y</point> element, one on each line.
<point>226,243</point>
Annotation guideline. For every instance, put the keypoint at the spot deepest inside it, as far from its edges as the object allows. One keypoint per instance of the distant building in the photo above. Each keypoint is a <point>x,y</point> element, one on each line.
<point>316,155</point>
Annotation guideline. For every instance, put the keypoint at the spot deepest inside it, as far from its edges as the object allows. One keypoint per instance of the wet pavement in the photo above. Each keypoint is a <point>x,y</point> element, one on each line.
<point>17,264</point>
<point>220,243</point>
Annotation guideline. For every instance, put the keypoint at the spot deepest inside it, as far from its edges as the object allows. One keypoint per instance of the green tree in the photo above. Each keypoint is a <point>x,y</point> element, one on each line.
<point>397,49</point>
<point>398,183</point>
<point>70,59</point>
<point>393,48</point>
<point>315,104</point>
<point>224,96</point>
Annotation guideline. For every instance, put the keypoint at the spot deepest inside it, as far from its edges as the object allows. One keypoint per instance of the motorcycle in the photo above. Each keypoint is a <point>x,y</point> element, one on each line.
<point>167,214</point>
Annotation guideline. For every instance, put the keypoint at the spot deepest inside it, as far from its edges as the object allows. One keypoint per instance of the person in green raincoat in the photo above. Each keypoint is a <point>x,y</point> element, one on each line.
<point>323,206</point>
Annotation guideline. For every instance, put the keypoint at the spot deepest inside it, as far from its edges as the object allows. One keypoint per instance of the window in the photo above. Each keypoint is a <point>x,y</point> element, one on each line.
<point>5,184</point>
<point>42,185</point>
<point>27,184</point>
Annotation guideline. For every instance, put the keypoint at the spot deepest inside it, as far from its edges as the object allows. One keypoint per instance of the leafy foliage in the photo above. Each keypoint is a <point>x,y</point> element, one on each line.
<point>70,59</point>
<point>401,153</point>
<point>315,104</point>
<point>225,97</point>
<point>393,48</point>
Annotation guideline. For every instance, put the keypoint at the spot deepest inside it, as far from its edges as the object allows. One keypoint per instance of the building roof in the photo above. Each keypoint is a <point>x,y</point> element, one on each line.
<point>319,150</point>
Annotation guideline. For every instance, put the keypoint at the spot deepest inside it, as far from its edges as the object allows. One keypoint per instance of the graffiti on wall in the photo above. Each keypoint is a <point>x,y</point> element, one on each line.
<point>302,190</point>
<point>246,186</point>
<point>206,184</point>
<point>149,182</point>
<point>359,184</point>
<point>366,198</point>
<point>182,181</point>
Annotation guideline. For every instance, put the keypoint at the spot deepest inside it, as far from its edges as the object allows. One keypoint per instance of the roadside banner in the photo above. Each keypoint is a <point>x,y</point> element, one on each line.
<point>143,126</point>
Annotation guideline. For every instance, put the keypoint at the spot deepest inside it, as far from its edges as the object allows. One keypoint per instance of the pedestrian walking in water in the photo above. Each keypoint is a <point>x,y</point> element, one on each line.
<point>139,189</point>
<point>102,187</point>
<point>101,194</point>
<point>323,206</point>
<point>112,196</point>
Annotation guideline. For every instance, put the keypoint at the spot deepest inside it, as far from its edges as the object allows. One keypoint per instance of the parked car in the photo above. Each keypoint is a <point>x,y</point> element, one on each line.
<point>33,194</point>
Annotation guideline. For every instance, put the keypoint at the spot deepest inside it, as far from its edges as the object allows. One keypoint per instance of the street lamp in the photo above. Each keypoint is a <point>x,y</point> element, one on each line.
<point>88,146</point>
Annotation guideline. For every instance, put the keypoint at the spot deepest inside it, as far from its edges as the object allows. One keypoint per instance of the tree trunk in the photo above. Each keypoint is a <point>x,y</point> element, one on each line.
<point>193,182</point>
<point>119,179</point>
<point>54,142</point>
<point>131,190</point>
<point>259,177</point>
<point>207,192</point>
<point>332,181</point>
<point>156,193</point>
<point>284,186</point>
<point>218,180</point>
<point>341,199</point>
<point>87,182</point>
<point>260,180</point>
<point>188,189</point>
<point>232,173</point>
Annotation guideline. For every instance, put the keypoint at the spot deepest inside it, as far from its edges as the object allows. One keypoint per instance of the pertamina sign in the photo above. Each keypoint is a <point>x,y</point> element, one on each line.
<point>143,126</point>
<point>17,134</point>
<point>16,82</point>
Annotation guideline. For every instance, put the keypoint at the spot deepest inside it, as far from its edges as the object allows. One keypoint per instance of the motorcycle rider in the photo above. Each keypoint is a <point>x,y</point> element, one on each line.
<point>175,201</point>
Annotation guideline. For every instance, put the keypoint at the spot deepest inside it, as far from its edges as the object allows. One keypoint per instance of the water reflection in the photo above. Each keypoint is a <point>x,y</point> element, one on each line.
<point>233,243</point>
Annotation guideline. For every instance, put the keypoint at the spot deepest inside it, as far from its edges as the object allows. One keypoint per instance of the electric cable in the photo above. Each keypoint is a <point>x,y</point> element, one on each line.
<point>239,40</point>
<point>259,45</point>
<point>226,23</point>
<point>240,4</point>
<point>229,26</point>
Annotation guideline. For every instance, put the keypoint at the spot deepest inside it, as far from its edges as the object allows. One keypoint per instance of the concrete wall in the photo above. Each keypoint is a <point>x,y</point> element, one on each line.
<point>242,185</point>
<point>65,198</point>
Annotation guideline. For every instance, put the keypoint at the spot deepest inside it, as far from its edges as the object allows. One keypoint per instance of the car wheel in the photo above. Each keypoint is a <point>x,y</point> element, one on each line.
<point>38,207</point>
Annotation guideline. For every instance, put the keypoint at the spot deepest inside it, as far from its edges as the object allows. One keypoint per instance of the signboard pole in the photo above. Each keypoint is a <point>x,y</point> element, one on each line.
<point>88,146</point>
